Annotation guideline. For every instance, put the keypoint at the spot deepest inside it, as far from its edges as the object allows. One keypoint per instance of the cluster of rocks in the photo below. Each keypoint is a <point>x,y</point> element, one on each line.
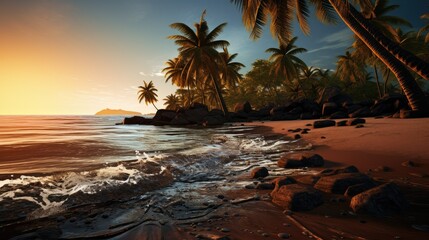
<point>332,104</point>
<point>195,114</point>
<point>365,195</point>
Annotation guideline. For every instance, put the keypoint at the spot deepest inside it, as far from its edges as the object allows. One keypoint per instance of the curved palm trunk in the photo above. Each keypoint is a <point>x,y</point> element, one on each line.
<point>376,79</point>
<point>153,104</point>
<point>386,81</point>
<point>410,60</point>
<point>219,95</point>
<point>414,94</point>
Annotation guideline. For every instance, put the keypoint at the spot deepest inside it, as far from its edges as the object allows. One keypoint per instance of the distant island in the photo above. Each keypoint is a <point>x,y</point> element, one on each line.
<point>120,112</point>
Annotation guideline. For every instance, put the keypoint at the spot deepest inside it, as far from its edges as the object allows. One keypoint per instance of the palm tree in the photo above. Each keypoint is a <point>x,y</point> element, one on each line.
<point>148,94</point>
<point>286,64</point>
<point>376,13</point>
<point>350,69</point>
<point>231,76</point>
<point>310,77</point>
<point>425,28</point>
<point>172,101</point>
<point>198,49</point>
<point>255,16</point>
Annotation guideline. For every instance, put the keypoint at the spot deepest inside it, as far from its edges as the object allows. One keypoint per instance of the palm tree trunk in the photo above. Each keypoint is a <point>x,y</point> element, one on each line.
<point>410,60</point>
<point>386,80</point>
<point>376,79</point>
<point>219,95</point>
<point>155,106</point>
<point>414,94</point>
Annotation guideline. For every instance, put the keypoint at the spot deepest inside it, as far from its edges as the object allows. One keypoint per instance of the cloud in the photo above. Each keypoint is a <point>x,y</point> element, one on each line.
<point>340,39</point>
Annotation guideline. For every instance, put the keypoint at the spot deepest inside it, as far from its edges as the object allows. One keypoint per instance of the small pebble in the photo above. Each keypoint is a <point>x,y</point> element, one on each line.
<point>297,136</point>
<point>283,235</point>
<point>322,137</point>
<point>225,230</point>
<point>265,234</point>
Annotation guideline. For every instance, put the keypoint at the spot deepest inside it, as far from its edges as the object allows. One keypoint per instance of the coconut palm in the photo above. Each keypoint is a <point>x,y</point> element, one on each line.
<point>198,49</point>
<point>148,93</point>
<point>350,69</point>
<point>426,27</point>
<point>172,101</point>
<point>309,76</point>
<point>231,76</point>
<point>255,16</point>
<point>286,64</point>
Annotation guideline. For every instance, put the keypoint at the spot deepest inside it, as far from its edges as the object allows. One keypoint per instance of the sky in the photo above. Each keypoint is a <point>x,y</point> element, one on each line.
<point>77,57</point>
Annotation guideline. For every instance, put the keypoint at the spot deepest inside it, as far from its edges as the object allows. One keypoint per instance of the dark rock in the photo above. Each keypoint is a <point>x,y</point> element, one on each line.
<point>323,123</point>
<point>411,114</point>
<point>329,108</point>
<point>179,119</point>
<point>245,107</point>
<point>353,108</point>
<point>309,179</point>
<point>297,136</point>
<point>284,162</point>
<point>339,115</point>
<point>362,112</point>
<point>409,164</point>
<point>164,116</point>
<point>358,188</point>
<point>359,126</point>
<point>342,123</point>
<point>283,235</point>
<point>259,172</point>
<point>313,161</point>
<point>352,122</point>
<point>306,116</point>
<point>196,114</point>
<point>136,120</point>
<point>304,131</point>
<point>332,171</point>
<point>297,110</point>
<point>339,183</point>
<point>213,120</point>
<point>281,181</point>
<point>297,197</point>
<point>381,200</point>
<point>265,186</point>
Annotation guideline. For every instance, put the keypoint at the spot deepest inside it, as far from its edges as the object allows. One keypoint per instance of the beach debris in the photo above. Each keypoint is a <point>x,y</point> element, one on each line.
<point>339,183</point>
<point>297,197</point>
<point>381,200</point>
<point>259,172</point>
<point>323,123</point>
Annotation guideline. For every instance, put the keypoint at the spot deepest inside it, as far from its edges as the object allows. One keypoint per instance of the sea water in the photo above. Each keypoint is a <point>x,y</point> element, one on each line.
<point>54,162</point>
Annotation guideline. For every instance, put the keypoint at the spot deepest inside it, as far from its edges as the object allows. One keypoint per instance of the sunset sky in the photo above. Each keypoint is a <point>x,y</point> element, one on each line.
<point>80,56</point>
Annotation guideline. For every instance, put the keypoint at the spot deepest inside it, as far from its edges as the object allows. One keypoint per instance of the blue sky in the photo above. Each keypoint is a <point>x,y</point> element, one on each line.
<point>80,56</point>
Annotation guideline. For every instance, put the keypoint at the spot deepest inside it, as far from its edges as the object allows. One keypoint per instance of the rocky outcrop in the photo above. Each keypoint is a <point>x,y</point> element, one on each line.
<point>136,120</point>
<point>297,197</point>
<point>339,183</point>
<point>259,172</point>
<point>381,200</point>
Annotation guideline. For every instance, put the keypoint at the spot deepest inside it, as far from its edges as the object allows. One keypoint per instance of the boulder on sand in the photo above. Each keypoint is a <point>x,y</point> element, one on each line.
<point>136,120</point>
<point>382,200</point>
<point>259,172</point>
<point>339,183</point>
<point>297,197</point>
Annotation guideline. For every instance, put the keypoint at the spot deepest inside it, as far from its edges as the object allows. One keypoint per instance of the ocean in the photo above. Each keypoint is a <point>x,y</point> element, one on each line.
<point>51,163</point>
